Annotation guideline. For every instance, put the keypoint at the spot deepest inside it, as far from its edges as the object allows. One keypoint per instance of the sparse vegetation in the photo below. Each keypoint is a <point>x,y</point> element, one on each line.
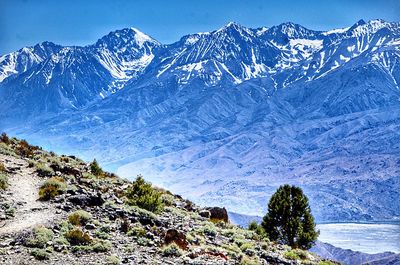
<point>133,215</point>
<point>52,188</point>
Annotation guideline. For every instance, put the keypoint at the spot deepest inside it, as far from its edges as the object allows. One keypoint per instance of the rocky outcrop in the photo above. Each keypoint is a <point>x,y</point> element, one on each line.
<point>177,237</point>
<point>218,214</point>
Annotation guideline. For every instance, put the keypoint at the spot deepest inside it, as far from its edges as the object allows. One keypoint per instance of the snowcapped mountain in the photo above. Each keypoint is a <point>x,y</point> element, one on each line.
<point>52,78</point>
<point>20,61</point>
<point>224,117</point>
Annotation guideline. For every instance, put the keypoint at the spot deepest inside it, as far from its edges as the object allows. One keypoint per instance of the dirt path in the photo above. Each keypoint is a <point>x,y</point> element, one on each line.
<point>23,192</point>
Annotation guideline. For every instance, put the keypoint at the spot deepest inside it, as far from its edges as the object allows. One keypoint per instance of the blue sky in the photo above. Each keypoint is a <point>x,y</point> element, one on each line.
<point>73,22</point>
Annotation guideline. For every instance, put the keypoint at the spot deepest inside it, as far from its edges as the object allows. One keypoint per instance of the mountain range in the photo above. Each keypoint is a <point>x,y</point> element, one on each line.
<point>225,117</point>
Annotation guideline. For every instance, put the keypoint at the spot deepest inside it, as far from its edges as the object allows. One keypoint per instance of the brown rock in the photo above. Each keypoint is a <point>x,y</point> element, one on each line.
<point>218,214</point>
<point>177,237</point>
<point>205,213</point>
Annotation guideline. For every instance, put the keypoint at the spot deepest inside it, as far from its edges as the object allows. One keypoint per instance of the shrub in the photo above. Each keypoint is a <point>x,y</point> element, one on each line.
<point>291,255</point>
<point>209,229</point>
<point>102,246</point>
<point>40,254</point>
<point>78,237</point>
<point>143,195</point>
<point>245,260</point>
<point>61,241</point>
<point>245,246</point>
<point>258,229</point>
<point>172,250</point>
<point>10,211</point>
<point>79,217</point>
<point>39,238</point>
<point>3,181</point>
<point>2,167</point>
<point>289,220</point>
<point>301,253</point>
<point>137,230</point>
<point>167,199</point>
<point>24,149</point>
<point>43,170</point>
<point>95,168</point>
<point>4,138</point>
<point>113,260</point>
<point>52,188</point>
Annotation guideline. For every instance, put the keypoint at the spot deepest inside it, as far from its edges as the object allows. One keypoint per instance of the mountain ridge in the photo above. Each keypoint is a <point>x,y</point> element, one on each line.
<point>227,116</point>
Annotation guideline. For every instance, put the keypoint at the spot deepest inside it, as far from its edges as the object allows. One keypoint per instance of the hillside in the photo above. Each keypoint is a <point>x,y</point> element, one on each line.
<point>60,209</point>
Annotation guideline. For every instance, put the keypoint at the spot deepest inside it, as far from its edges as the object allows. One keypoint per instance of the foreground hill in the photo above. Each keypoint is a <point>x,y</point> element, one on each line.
<point>59,209</point>
<point>225,117</point>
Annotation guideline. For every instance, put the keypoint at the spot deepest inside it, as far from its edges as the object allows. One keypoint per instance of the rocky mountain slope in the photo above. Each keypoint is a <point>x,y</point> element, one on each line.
<point>59,209</point>
<point>225,117</point>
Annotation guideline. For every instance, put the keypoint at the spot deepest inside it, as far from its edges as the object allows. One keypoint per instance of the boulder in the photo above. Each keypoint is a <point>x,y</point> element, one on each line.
<point>205,213</point>
<point>70,171</point>
<point>89,200</point>
<point>218,214</point>
<point>177,237</point>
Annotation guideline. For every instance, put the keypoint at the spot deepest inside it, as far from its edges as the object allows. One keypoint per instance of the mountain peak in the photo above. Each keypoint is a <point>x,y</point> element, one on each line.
<point>141,37</point>
<point>232,26</point>
<point>358,23</point>
<point>124,37</point>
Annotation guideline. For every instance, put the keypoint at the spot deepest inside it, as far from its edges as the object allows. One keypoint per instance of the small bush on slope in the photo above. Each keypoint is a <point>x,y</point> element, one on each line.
<point>3,181</point>
<point>40,254</point>
<point>78,237</point>
<point>143,195</point>
<point>4,138</point>
<point>24,149</point>
<point>95,168</point>
<point>43,170</point>
<point>2,167</point>
<point>171,250</point>
<point>79,217</point>
<point>51,188</point>
<point>39,238</point>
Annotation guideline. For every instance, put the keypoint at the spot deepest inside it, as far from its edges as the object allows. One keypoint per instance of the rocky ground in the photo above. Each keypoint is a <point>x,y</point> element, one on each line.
<point>61,210</point>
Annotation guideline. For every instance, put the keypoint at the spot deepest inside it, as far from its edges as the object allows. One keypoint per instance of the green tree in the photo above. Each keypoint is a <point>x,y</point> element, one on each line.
<point>95,168</point>
<point>143,195</point>
<point>289,219</point>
